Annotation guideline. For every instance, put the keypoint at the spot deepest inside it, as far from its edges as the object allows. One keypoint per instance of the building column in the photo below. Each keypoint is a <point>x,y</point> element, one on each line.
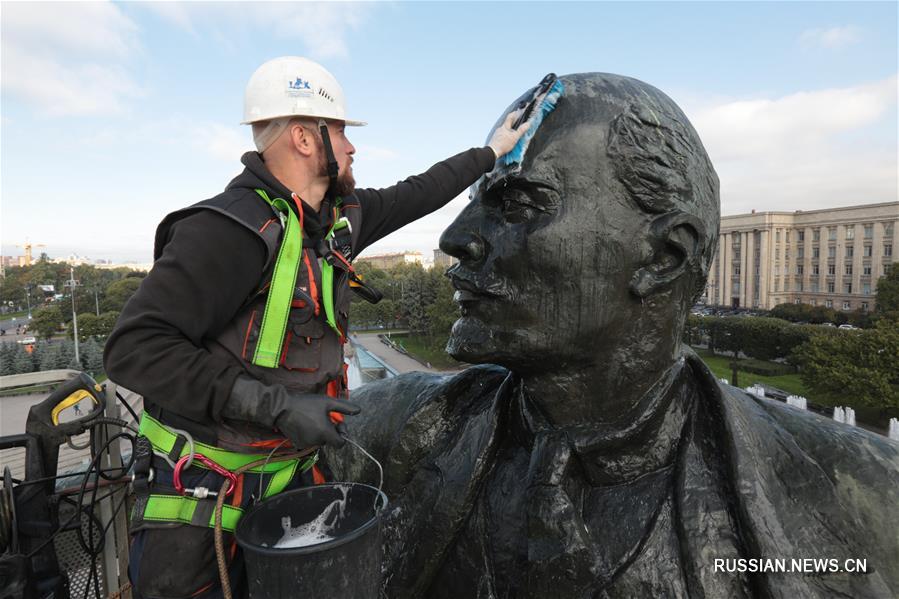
<point>725,269</point>
<point>764,268</point>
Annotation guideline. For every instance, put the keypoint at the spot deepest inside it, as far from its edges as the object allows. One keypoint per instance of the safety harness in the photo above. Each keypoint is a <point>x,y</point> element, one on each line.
<point>195,505</point>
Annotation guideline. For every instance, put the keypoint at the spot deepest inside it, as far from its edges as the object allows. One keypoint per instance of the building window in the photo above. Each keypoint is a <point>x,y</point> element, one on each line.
<point>736,238</point>
<point>832,251</point>
<point>787,236</point>
<point>815,288</point>
<point>886,269</point>
<point>850,251</point>
<point>848,270</point>
<point>736,287</point>
<point>736,270</point>
<point>800,253</point>
<point>816,270</point>
<point>847,305</point>
<point>776,284</point>
<point>869,231</point>
<point>801,234</point>
<point>816,234</point>
<point>865,306</point>
<point>888,249</point>
<point>887,229</point>
<point>799,269</point>
<point>866,269</point>
<point>777,236</point>
<point>866,288</point>
<point>828,303</point>
<point>832,233</point>
<point>787,254</point>
<point>850,232</point>
<point>816,252</point>
<point>786,284</point>
<point>797,301</point>
<point>799,285</point>
<point>847,287</point>
<point>869,251</point>
<point>831,269</point>
<point>830,287</point>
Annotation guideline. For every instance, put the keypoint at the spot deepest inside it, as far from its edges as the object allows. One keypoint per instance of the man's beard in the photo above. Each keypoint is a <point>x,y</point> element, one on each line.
<point>346,184</point>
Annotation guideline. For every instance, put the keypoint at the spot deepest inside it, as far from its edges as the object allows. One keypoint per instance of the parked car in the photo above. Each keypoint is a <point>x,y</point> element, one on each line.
<point>848,327</point>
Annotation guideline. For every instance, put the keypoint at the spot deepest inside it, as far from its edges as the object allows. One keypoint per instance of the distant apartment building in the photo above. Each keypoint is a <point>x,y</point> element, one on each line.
<point>829,258</point>
<point>443,260</point>
<point>386,261</point>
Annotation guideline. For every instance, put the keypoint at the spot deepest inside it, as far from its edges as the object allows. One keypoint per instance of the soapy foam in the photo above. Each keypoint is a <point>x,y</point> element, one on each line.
<point>316,531</point>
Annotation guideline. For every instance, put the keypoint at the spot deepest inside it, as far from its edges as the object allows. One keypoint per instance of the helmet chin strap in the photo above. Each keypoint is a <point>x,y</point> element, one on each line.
<point>329,156</point>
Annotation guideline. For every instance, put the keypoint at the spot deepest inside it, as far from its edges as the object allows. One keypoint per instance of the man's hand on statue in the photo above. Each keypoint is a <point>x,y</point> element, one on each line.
<point>304,418</point>
<point>505,137</point>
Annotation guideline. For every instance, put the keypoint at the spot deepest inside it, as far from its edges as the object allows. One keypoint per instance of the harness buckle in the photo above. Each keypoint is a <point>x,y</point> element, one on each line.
<point>202,492</point>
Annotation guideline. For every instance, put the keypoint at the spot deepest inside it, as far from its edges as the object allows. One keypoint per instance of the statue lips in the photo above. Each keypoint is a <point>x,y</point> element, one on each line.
<point>469,293</point>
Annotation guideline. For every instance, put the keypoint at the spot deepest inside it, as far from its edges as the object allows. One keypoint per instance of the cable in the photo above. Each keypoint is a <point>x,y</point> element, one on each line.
<point>128,407</point>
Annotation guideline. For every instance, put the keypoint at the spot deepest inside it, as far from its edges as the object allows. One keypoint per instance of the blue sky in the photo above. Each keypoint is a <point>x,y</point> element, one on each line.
<point>114,114</point>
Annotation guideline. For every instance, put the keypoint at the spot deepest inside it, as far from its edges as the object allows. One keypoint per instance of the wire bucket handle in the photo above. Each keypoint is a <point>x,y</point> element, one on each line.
<point>380,471</point>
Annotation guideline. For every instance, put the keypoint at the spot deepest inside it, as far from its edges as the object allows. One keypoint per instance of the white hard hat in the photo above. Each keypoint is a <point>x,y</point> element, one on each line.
<point>293,86</point>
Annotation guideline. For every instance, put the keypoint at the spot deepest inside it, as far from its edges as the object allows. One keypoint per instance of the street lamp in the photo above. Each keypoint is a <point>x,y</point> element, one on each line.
<point>28,299</point>
<point>72,284</point>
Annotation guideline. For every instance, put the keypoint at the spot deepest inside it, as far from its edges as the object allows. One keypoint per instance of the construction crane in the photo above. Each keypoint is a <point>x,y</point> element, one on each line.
<point>27,247</point>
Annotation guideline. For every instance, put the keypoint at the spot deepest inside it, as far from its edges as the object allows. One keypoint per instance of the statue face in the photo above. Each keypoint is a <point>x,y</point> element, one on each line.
<point>546,254</point>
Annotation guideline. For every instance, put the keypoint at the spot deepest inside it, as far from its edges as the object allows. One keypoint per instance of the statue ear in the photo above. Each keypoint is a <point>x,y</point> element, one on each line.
<point>676,239</point>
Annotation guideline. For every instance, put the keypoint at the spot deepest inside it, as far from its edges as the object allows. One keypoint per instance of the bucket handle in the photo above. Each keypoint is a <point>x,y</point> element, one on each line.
<point>380,471</point>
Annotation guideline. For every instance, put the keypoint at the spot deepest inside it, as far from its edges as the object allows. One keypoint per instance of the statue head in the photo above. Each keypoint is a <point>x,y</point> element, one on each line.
<point>598,245</point>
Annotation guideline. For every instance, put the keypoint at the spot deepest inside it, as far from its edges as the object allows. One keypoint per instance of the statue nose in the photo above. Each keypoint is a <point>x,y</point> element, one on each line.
<point>468,246</point>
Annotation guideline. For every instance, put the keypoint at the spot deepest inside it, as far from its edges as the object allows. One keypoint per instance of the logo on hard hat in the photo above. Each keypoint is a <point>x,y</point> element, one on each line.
<point>299,87</point>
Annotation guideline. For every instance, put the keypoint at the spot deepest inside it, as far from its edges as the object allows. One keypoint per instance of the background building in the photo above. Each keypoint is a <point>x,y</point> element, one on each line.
<point>821,257</point>
<point>385,261</point>
<point>443,260</point>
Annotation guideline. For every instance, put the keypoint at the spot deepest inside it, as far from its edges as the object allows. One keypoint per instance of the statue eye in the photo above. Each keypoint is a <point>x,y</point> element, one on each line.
<point>518,207</point>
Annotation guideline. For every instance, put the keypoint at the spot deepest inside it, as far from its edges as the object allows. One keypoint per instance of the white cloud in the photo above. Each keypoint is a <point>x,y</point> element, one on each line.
<point>831,38</point>
<point>222,142</point>
<point>68,58</point>
<point>323,27</point>
<point>806,150</point>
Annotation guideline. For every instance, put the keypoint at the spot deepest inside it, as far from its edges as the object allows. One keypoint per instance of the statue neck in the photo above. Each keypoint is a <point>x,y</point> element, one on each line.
<point>631,442</point>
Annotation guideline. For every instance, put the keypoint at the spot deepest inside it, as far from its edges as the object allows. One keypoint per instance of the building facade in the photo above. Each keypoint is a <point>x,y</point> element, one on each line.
<point>829,258</point>
<point>387,261</point>
<point>443,260</point>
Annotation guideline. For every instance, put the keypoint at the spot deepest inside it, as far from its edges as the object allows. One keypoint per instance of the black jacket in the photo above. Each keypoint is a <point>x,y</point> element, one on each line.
<point>207,265</point>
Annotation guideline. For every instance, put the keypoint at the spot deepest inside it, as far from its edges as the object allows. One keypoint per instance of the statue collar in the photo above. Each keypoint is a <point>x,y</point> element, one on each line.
<point>642,441</point>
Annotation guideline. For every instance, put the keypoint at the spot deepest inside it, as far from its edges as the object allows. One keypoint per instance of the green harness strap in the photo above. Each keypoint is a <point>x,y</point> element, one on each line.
<point>284,278</point>
<point>183,509</point>
<point>280,292</point>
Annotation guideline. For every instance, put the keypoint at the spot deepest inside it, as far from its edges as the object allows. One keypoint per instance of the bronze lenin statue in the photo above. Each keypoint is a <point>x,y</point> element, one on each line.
<point>592,454</point>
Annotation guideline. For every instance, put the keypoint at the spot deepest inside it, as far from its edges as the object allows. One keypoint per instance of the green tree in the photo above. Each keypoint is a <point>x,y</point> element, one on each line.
<point>46,321</point>
<point>107,322</point>
<point>66,354</point>
<point>50,358</point>
<point>854,367</point>
<point>88,326</point>
<point>92,357</point>
<point>119,292</point>
<point>887,295</point>
<point>7,358</point>
<point>22,363</point>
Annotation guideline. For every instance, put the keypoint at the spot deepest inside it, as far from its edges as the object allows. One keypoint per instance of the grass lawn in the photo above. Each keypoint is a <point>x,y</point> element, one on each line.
<point>720,366</point>
<point>419,348</point>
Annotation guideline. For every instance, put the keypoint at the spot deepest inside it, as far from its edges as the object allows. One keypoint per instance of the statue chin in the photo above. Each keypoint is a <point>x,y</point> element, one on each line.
<point>470,340</point>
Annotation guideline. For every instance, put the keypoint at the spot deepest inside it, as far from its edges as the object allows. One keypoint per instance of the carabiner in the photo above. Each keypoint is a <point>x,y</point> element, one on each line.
<point>202,492</point>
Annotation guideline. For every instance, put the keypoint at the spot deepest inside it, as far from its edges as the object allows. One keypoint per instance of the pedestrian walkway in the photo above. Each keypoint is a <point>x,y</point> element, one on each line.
<point>400,362</point>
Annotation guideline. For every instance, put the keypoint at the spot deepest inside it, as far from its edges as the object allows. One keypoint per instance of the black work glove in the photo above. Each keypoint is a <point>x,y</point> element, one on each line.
<point>301,417</point>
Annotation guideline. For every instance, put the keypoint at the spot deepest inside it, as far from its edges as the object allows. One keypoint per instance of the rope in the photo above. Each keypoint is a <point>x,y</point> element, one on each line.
<point>219,507</point>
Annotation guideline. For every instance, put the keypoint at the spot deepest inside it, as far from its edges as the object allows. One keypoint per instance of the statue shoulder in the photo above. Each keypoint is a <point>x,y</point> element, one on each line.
<point>404,416</point>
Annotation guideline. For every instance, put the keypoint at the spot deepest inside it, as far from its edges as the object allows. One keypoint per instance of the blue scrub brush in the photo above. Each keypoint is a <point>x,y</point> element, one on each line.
<point>546,95</point>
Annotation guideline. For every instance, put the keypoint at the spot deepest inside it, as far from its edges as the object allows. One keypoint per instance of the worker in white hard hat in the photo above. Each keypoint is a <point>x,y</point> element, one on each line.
<point>235,338</point>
